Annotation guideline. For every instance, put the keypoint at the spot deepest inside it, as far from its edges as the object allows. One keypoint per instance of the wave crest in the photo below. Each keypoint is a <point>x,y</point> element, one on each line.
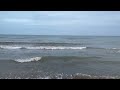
<point>41,47</point>
<point>53,48</point>
<point>10,47</point>
<point>28,59</point>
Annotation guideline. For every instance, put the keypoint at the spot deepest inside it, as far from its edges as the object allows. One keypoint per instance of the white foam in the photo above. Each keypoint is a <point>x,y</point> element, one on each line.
<point>28,59</point>
<point>115,48</point>
<point>96,77</point>
<point>54,48</point>
<point>42,47</point>
<point>47,77</point>
<point>57,76</point>
<point>77,76</point>
<point>10,47</point>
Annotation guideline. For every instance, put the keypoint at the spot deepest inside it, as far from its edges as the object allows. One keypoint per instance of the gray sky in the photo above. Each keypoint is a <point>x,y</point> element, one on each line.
<point>60,22</point>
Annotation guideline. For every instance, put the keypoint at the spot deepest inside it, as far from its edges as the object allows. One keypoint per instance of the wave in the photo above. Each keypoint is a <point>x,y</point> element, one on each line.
<point>115,48</point>
<point>41,47</point>
<point>52,47</point>
<point>103,48</point>
<point>95,48</point>
<point>37,43</point>
<point>9,47</point>
<point>60,48</point>
<point>28,59</point>
<point>61,58</point>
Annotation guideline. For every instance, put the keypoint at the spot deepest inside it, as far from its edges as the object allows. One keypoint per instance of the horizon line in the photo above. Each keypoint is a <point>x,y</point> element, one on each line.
<point>56,35</point>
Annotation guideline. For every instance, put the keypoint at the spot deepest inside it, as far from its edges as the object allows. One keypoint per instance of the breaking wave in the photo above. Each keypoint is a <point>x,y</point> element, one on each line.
<point>28,59</point>
<point>53,47</point>
<point>9,47</point>
<point>115,48</point>
<point>41,47</point>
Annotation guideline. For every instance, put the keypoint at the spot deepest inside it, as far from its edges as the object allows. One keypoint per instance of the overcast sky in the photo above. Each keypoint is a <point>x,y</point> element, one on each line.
<point>60,22</point>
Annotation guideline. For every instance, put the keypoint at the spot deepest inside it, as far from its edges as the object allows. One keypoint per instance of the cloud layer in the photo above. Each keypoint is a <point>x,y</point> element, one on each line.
<point>82,22</point>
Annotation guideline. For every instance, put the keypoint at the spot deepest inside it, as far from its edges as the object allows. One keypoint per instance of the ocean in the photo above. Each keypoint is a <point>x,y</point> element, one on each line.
<point>59,57</point>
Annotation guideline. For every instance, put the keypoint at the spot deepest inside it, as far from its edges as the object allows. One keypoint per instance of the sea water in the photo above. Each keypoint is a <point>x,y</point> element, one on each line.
<point>59,57</point>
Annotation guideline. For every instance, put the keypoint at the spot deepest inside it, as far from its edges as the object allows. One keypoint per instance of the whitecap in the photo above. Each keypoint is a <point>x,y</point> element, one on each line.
<point>28,59</point>
<point>55,48</point>
<point>42,47</point>
<point>10,47</point>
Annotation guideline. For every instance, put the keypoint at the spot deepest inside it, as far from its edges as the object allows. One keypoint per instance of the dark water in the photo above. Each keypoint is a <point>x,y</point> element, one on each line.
<point>59,57</point>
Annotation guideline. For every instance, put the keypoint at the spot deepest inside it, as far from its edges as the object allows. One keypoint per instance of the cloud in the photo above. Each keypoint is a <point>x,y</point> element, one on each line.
<point>56,18</point>
<point>54,22</point>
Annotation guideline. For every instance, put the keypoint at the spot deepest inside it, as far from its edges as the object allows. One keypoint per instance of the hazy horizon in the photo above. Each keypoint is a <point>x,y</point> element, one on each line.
<point>80,23</point>
<point>61,35</point>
